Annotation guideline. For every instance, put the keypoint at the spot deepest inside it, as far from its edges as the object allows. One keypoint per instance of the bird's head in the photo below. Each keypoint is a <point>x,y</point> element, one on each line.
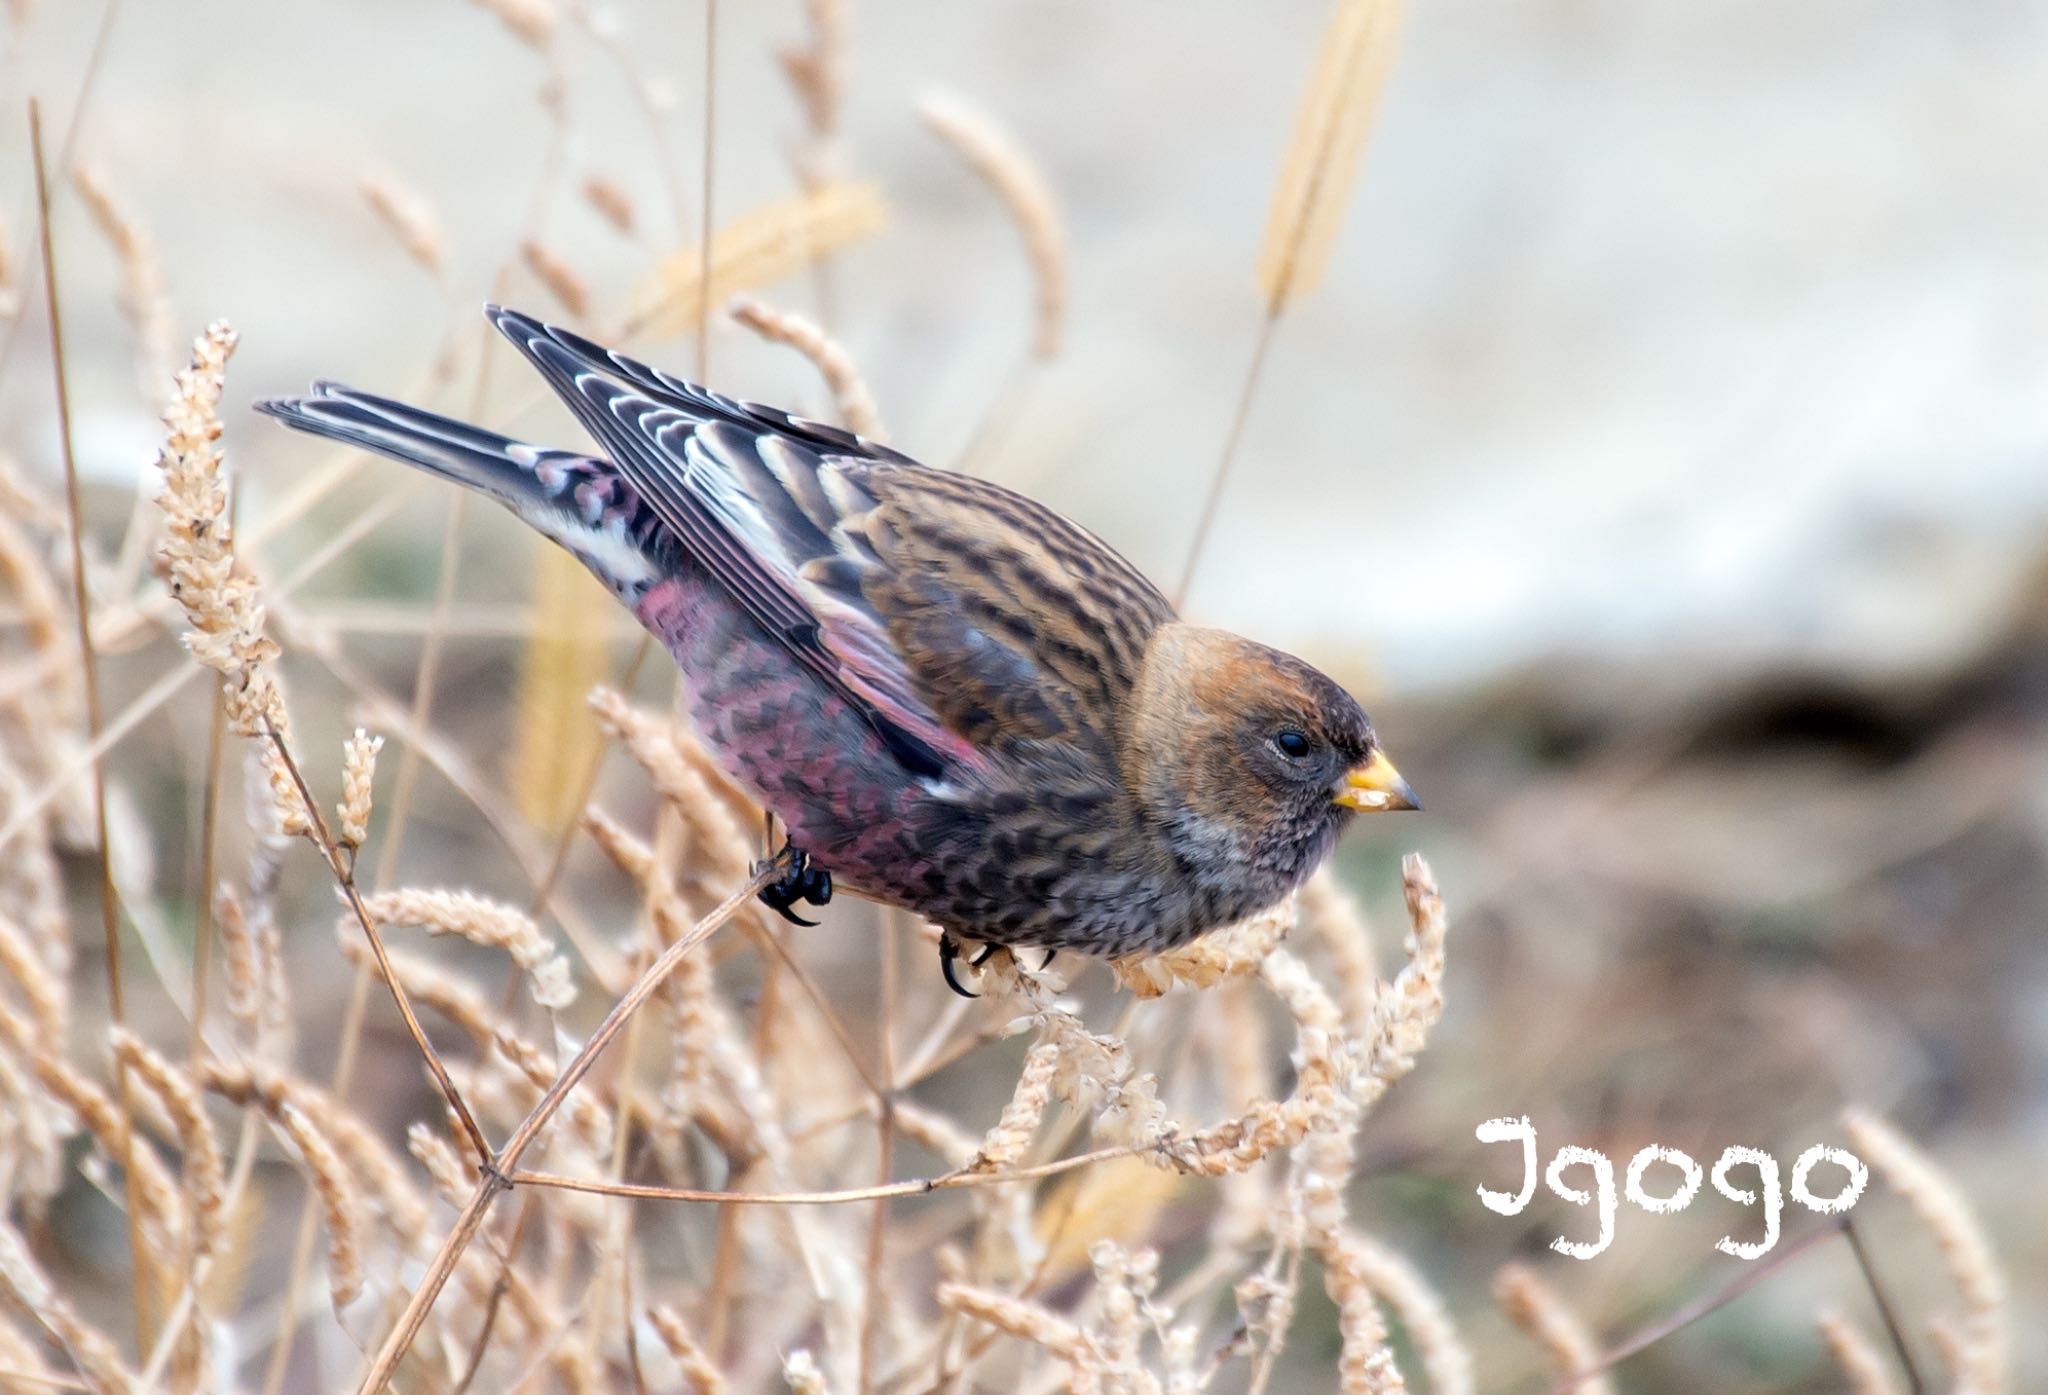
<point>1248,759</point>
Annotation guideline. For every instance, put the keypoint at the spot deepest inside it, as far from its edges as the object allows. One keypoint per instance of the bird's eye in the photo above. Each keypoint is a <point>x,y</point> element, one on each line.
<point>1291,743</point>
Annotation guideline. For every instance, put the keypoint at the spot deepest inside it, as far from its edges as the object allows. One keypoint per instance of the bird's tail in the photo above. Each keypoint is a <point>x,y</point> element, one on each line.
<point>578,500</point>
<point>495,465</point>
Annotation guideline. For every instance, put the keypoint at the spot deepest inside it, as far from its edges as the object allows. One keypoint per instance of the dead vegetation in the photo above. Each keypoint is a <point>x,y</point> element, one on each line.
<point>626,1134</point>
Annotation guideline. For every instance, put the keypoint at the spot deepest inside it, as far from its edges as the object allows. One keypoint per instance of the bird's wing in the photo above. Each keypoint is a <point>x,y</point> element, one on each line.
<point>953,613</point>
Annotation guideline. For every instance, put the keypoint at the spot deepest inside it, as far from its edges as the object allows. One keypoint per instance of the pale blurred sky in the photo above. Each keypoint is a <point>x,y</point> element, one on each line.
<point>1658,330</point>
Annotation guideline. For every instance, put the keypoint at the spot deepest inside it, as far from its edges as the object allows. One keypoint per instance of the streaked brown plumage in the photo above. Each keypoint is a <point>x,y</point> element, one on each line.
<point>955,699</point>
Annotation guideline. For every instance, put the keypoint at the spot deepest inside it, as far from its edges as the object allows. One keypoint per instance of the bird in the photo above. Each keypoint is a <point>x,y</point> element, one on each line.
<point>954,699</point>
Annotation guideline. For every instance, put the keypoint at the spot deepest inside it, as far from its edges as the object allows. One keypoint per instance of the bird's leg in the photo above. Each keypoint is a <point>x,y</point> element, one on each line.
<point>949,957</point>
<point>797,880</point>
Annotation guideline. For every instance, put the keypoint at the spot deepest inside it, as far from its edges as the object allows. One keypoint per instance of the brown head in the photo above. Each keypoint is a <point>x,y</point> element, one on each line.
<point>1248,762</point>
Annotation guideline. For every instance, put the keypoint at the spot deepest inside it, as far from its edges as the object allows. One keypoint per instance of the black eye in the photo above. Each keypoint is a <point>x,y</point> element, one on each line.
<point>1292,744</point>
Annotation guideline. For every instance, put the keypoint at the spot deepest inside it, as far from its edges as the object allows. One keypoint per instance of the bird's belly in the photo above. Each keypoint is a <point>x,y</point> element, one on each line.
<point>808,757</point>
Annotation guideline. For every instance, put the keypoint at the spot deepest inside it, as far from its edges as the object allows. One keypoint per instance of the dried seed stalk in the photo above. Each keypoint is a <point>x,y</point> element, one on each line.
<point>358,776</point>
<point>1984,1345</point>
<point>407,216</point>
<point>613,203</point>
<point>1534,1307</point>
<point>1858,1359</point>
<point>482,922</point>
<point>333,1181</point>
<point>561,280</point>
<point>1323,154</point>
<point>856,405</point>
<point>144,303</point>
<point>996,156</point>
<point>205,1172</point>
<point>756,249</point>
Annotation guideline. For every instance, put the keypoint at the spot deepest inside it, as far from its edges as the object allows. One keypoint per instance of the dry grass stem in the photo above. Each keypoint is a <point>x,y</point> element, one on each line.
<point>205,1170</point>
<point>556,743</point>
<point>850,395</point>
<point>482,922</point>
<point>197,556</point>
<point>10,277</point>
<point>1323,154</point>
<point>569,289</point>
<point>407,216</point>
<point>358,778</point>
<point>816,70</point>
<point>1983,1333</point>
<point>1006,1142</point>
<point>700,1377</point>
<point>145,304</point>
<point>1432,1332</point>
<point>1855,1356</point>
<point>1534,1307</point>
<point>533,22</point>
<point>91,1350</point>
<point>612,203</point>
<point>327,1170</point>
<point>1002,163</point>
<point>1222,954</point>
<point>757,249</point>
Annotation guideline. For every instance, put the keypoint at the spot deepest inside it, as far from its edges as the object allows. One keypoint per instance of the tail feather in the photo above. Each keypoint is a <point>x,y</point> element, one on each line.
<point>578,500</point>
<point>483,460</point>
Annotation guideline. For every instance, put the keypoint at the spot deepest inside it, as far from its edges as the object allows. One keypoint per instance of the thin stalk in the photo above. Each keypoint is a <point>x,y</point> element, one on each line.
<point>1885,1310</point>
<point>500,1175</point>
<point>885,1151</point>
<point>109,915</point>
<point>1693,1312</point>
<point>704,212</point>
<point>1218,481</point>
<point>345,878</point>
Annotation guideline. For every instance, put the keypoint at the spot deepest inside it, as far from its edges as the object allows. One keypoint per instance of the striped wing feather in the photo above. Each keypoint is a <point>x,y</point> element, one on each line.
<point>959,617</point>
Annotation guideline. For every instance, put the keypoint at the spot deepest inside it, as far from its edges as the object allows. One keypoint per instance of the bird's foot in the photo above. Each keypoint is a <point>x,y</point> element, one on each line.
<point>796,880</point>
<point>949,960</point>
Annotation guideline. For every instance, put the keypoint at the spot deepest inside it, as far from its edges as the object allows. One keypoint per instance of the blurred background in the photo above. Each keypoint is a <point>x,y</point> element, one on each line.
<point>1664,458</point>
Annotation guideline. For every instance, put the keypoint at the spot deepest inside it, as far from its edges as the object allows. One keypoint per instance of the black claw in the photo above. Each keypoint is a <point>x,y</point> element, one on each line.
<point>949,956</point>
<point>1046,963</point>
<point>798,880</point>
<point>982,958</point>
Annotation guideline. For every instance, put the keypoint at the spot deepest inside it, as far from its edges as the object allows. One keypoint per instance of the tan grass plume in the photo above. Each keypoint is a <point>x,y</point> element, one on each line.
<point>756,249</point>
<point>1323,153</point>
<point>856,405</point>
<point>995,155</point>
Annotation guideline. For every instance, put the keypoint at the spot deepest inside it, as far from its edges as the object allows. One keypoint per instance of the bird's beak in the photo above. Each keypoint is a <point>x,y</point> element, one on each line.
<point>1373,786</point>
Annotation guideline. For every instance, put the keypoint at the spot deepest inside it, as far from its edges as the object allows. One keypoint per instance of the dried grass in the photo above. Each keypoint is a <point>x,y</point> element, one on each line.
<point>1979,1341</point>
<point>754,250</point>
<point>707,1223</point>
<point>856,405</point>
<point>556,741</point>
<point>144,303</point>
<point>407,216</point>
<point>549,268</point>
<point>612,203</point>
<point>1323,154</point>
<point>1534,1307</point>
<point>1003,164</point>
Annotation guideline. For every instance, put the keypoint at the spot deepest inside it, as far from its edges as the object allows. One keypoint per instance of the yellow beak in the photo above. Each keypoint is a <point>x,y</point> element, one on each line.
<point>1373,786</point>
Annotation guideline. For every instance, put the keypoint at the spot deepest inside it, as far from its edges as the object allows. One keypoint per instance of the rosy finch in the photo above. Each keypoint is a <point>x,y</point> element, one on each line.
<point>955,700</point>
